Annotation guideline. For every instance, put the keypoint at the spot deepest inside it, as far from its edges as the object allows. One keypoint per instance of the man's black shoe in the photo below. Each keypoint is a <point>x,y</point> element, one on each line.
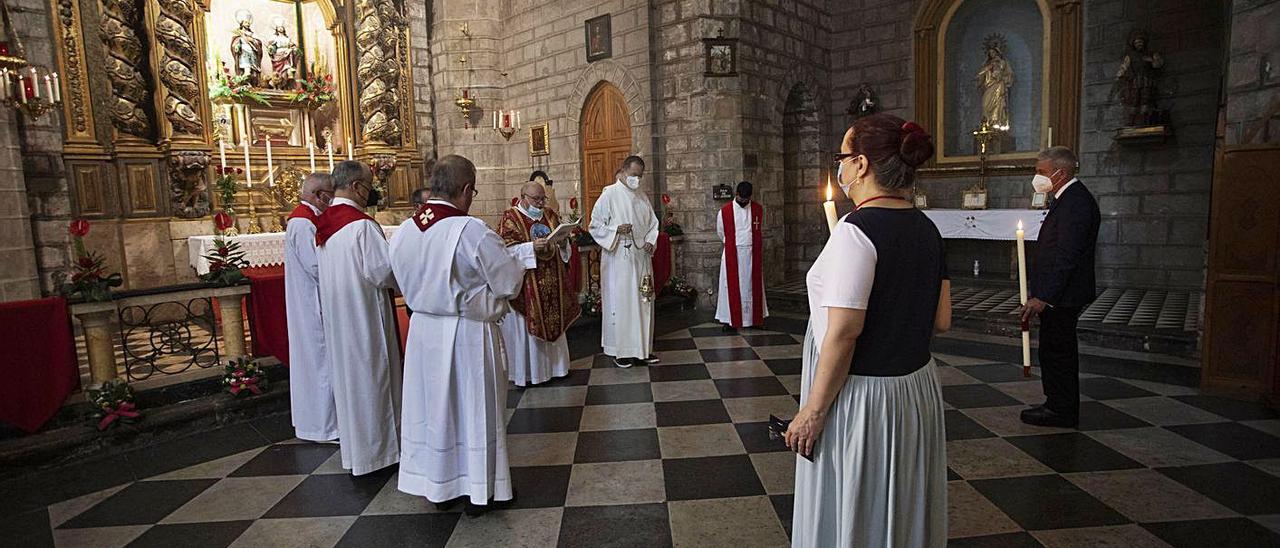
<point>1043,416</point>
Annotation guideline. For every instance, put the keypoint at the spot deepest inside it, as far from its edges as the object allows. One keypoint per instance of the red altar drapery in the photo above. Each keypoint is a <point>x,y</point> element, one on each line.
<point>38,364</point>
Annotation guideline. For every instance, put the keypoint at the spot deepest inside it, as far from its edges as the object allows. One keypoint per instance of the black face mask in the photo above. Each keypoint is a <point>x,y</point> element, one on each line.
<point>373,198</point>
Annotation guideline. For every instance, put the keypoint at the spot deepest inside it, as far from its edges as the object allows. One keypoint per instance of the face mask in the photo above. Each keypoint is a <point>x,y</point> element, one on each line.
<point>844,188</point>
<point>534,211</point>
<point>372,199</point>
<point>1042,183</point>
<point>633,182</point>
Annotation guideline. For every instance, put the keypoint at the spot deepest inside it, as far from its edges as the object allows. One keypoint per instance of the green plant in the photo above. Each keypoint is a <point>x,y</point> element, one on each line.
<point>114,402</point>
<point>314,90</point>
<point>89,279</point>
<point>230,87</point>
<point>227,185</point>
<point>225,263</point>
<point>243,376</point>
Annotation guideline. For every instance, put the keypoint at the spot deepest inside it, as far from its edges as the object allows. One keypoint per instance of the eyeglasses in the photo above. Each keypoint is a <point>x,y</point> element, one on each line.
<point>474,192</point>
<point>841,157</point>
<point>538,200</point>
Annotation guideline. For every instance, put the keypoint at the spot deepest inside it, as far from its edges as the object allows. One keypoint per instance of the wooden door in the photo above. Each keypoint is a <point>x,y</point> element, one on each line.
<point>606,142</point>
<point>1242,307</point>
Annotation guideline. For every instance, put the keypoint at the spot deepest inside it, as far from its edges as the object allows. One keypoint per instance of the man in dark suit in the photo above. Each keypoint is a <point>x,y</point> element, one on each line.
<point>1062,284</point>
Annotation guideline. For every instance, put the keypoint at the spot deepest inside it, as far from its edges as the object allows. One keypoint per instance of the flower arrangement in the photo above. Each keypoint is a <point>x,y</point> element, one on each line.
<point>243,376</point>
<point>669,224</point>
<point>227,260</point>
<point>114,402</point>
<point>89,278</point>
<point>680,287</point>
<point>314,90</point>
<point>573,210</point>
<point>227,185</point>
<point>591,303</point>
<point>233,88</point>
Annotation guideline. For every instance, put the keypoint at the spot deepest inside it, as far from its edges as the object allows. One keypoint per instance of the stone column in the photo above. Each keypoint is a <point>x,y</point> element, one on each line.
<point>232,326</point>
<point>95,319</point>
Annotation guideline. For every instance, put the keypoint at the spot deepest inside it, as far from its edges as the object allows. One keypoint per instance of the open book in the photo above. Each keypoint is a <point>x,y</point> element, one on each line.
<point>561,232</point>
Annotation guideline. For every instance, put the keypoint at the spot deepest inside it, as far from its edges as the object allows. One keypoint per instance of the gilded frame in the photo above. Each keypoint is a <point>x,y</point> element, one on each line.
<point>1064,22</point>
<point>540,140</point>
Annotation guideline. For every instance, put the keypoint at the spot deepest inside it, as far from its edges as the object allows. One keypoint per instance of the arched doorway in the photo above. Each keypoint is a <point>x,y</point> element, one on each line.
<point>803,170</point>
<point>606,141</point>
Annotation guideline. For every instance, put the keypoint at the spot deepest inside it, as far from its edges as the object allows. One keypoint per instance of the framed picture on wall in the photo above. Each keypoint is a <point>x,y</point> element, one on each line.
<point>975,198</point>
<point>599,35</point>
<point>540,140</point>
<point>721,58</point>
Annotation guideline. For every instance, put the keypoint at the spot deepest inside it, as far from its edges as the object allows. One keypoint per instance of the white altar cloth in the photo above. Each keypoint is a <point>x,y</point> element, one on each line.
<point>264,249</point>
<point>986,224</point>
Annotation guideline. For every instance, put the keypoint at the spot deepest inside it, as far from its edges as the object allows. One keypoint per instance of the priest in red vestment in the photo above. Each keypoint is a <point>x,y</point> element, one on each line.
<point>534,331</point>
<point>741,300</point>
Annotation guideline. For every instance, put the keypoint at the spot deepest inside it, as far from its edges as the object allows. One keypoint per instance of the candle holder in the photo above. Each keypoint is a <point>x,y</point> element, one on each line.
<point>506,123</point>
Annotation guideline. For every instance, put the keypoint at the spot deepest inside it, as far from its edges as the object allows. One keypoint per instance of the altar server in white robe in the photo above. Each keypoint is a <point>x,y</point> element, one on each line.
<point>625,227</point>
<point>741,300</point>
<point>310,382</point>
<point>534,331</point>
<point>359,330</point>
<point>457,277</point>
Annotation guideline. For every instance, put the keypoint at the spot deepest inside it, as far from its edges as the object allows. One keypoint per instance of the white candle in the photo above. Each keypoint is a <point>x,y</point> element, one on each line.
<point>57,89</point>
<point>517,119</point>
<point>495,119</point>
<point>351,153</point>
<point>271,176</point>
<point>1022,295</point>
<point>329,148</point>
<point>1050,136</point>
<point>4,90</point>
<point>829,208</point>
<point>311,154</point>
<point>222,154</point>
<point>48,86</point>
<point>35,83</point>
<point>248,174</point>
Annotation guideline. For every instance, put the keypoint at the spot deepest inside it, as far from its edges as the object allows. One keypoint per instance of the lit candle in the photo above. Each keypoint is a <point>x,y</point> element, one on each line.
<point>48,87</point>
<point>271,176</point>
<point>329,149</point>
<point>829,207</point>
<point>222,153</point>
<point>311,154</point>
<point>1022,295</point>
<point>350,150</point>
<point>248,175</point>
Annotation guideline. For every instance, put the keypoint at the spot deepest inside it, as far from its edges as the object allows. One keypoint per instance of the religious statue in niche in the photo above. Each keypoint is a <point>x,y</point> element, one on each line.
<point>864,103</point>
<point>994,80</point>
<point>246,49</point>
<point>284,56</point>
<point>1136,82</point>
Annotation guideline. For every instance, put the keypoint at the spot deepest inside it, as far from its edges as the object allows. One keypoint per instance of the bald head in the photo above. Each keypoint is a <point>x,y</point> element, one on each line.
<point>533,194</point>
<point>317,190</point>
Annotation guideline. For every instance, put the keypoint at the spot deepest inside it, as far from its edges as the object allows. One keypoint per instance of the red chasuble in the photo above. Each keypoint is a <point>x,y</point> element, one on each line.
<point>303,211</point>
<point>431,213</point>
<point>546,300</point>
<point>334,218</point>
<point>731,265</point>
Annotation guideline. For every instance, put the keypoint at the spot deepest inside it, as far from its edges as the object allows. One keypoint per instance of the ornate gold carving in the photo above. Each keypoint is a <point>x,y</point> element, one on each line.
<point>288,187</point>
<point>188,194</point>
<point>177,66</point>
<point>377,44</point>
<point>123,64</point>
<point>77,110</point>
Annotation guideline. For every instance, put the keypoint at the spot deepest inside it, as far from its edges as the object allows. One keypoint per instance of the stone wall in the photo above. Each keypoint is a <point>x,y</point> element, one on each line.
<point>1253,74</point>
<point>19,277</point>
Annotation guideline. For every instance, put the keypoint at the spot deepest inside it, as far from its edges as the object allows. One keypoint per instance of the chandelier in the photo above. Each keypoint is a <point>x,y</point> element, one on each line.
<point>26,88</point>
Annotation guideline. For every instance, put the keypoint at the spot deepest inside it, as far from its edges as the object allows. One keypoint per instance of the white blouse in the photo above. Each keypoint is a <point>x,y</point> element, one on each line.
<point>841,277</point>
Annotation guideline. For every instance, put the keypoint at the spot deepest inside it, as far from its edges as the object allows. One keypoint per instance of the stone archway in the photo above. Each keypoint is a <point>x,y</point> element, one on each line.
<point>803,167</point>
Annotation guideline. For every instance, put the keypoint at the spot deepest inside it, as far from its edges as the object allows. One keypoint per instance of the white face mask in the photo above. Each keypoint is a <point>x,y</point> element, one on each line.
<point>632,182</point>
<point>1042,183</point>
<point>534,211</point>
<point>844,188</point>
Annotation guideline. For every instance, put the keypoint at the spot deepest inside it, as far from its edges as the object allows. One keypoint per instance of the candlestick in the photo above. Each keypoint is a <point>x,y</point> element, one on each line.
<point>271,176</point>
<point>57,89</point>
<point>311,154</point>
<point>222,153</point>
<point>329,149</point>
<point>351,154</point>
<point>829,208</point>
<point>1022,295</point>
<point>248,174</point>
<point>1050,136</point>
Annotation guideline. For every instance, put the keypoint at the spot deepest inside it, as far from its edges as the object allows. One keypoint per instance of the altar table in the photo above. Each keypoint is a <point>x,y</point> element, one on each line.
<point>986,224</point>
<point>266,249</point>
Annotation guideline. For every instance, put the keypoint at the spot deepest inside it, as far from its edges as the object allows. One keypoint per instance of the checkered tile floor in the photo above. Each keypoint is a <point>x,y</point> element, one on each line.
<point>677,454</point>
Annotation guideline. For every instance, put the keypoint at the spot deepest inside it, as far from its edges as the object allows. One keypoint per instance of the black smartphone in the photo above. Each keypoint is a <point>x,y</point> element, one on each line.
<point>777,429</point>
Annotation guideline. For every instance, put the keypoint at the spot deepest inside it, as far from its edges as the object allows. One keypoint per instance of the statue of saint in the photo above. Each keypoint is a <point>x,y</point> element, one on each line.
<point>284,55</point>
<point>994,80</point>
<point>246,49</point>
<point>1136,80</point>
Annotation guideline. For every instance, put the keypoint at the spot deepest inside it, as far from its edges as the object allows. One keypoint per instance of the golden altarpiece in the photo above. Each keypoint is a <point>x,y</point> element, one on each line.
<point>158,91</point>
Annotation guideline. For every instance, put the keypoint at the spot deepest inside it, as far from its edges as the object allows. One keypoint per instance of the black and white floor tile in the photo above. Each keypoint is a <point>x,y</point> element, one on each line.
<point>677,454</point>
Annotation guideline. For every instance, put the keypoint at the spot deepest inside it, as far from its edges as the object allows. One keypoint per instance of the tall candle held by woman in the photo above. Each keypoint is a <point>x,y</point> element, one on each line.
<point>1022,296</point>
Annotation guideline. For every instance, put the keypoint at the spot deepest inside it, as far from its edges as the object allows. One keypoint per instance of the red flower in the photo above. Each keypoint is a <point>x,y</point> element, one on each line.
<point>222,221</point>
<point>79,228</point>
<point>240,170</point>
<point>573,203</point>
<point>514,201</point>
<point>666,200</point>
<point>328,77</point>
<point>86,262</point>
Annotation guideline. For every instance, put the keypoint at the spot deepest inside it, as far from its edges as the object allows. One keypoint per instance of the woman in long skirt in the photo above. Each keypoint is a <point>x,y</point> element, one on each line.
<point>870,425</point>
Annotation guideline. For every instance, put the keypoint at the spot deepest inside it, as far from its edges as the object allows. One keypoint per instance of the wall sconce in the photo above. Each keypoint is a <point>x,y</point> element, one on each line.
<point>465,104</point>
<point>23,87</point>
<point>506,122</point>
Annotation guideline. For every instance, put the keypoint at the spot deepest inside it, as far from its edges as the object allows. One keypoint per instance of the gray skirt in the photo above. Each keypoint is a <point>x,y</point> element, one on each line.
<point>879,476</point>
